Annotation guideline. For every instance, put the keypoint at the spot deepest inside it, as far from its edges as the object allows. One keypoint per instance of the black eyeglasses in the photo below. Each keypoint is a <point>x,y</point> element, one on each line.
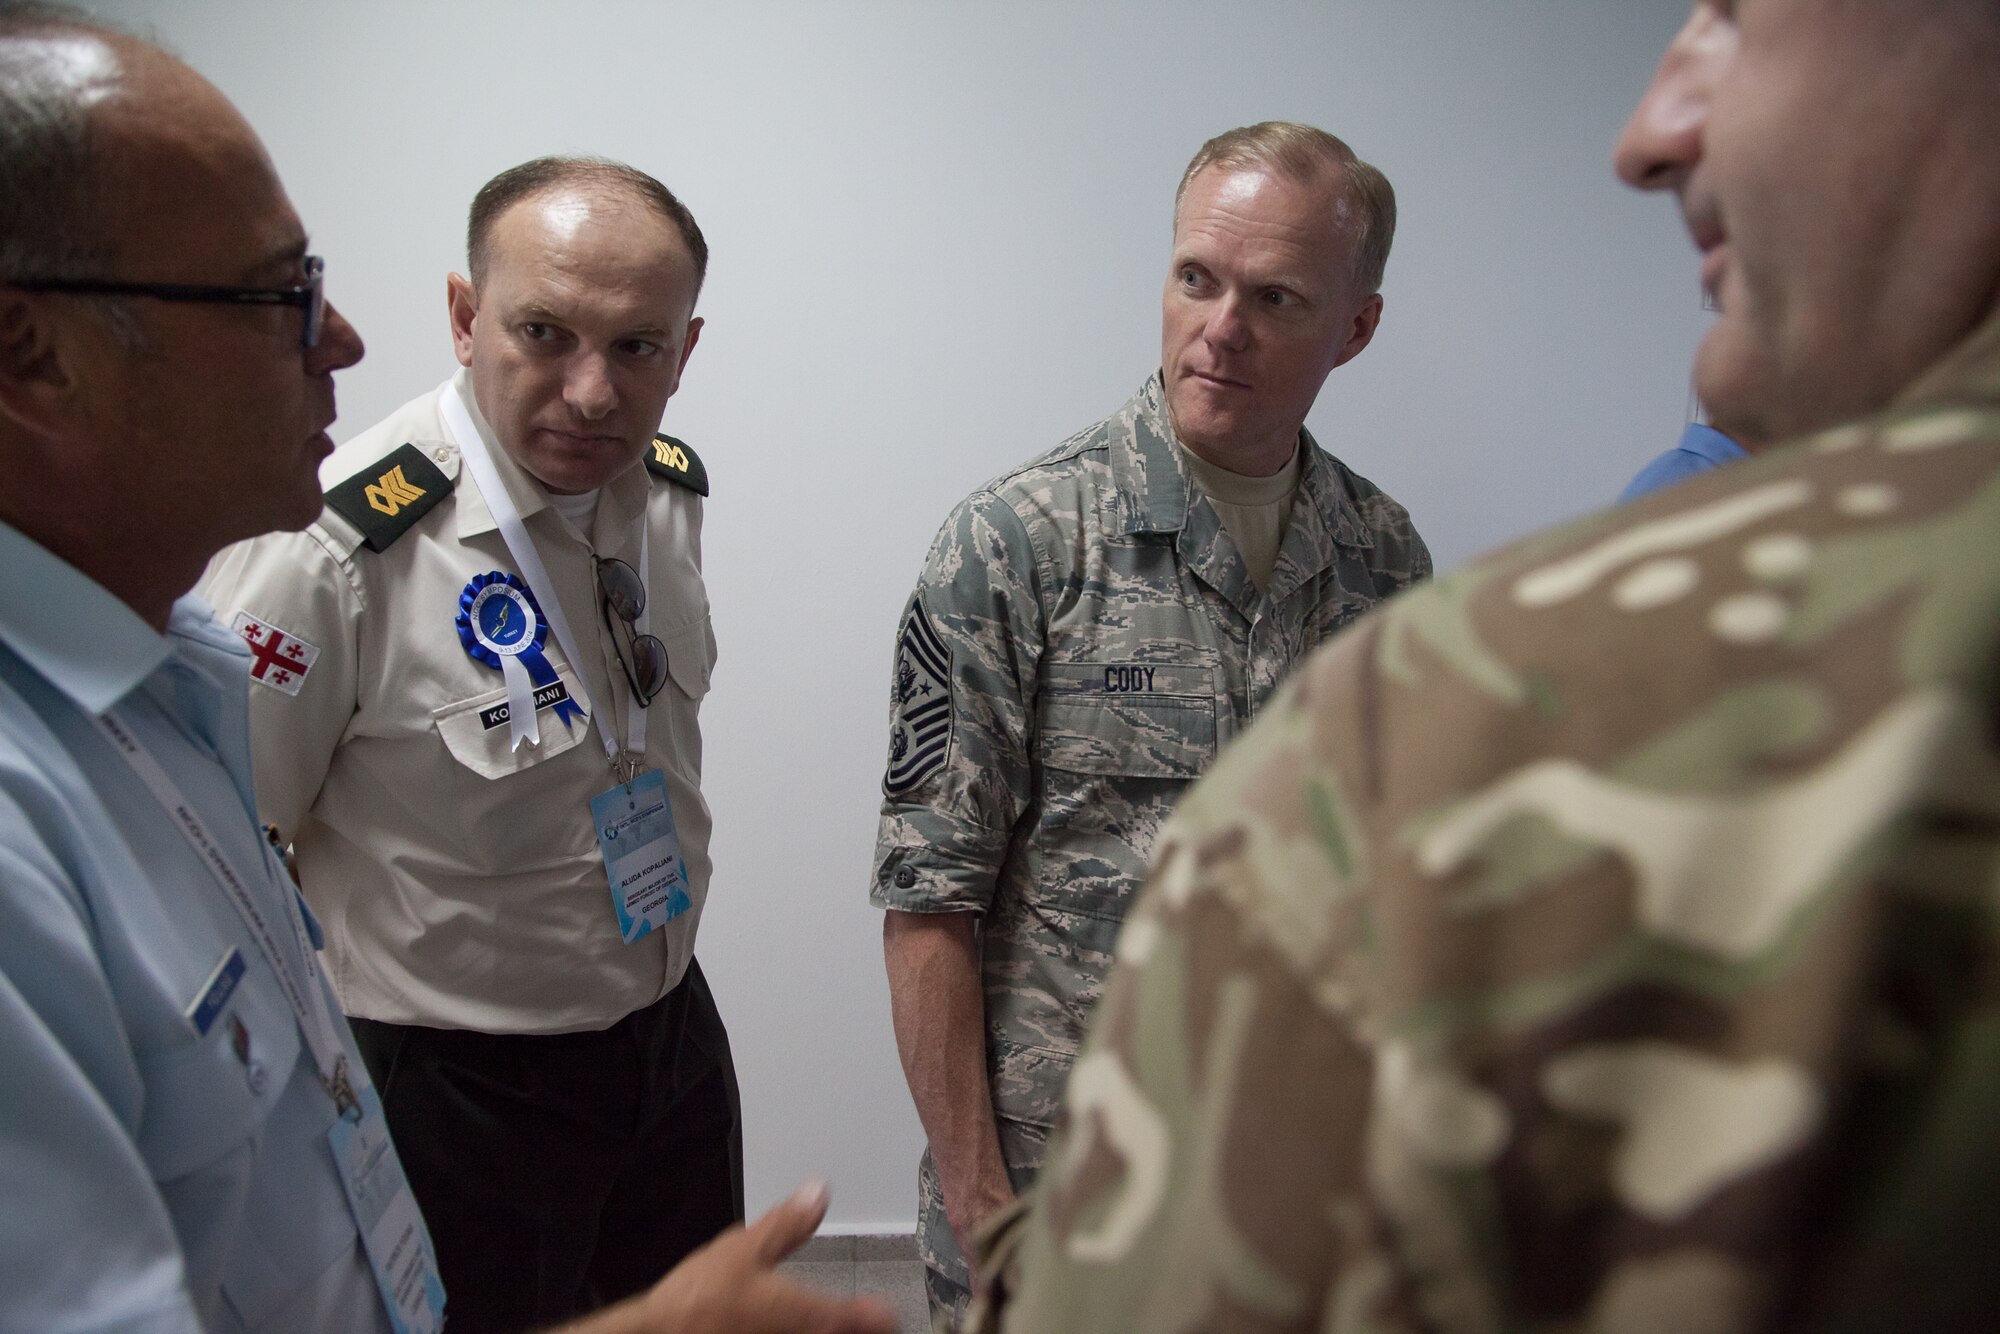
<point>644,658</point>
<point>309,296</point>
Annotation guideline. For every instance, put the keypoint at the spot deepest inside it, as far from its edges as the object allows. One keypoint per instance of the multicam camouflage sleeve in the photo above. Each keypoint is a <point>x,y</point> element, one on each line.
<point>1602,939</point>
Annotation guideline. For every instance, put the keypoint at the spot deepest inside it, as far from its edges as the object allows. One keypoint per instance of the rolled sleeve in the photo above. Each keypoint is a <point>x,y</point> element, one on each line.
<point>973,630</point>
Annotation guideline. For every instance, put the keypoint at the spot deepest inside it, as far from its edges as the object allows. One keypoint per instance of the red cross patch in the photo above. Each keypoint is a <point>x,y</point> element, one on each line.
<point>279,658</point>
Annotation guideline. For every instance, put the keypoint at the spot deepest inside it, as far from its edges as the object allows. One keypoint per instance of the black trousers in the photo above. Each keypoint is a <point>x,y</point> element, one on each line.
<point>560,1172</point>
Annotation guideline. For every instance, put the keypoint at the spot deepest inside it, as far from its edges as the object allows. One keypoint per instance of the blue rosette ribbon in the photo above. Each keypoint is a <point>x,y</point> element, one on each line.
<point>502,626</point>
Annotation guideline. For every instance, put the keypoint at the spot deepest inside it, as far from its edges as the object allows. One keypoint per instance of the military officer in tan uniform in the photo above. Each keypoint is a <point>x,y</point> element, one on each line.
<point>1090,629</point>
<point>1605,939</point>
<point>475,692</point>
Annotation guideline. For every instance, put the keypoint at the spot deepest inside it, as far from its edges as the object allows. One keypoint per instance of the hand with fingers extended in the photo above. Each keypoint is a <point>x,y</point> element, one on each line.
<point>731,1286</point>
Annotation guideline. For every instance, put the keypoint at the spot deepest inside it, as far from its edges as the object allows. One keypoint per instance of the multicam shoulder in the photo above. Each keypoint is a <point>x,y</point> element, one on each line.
<point>1608,930</point>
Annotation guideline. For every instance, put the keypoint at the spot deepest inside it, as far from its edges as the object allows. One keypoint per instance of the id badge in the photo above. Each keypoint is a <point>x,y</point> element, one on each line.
<point>207,1007</point>
<point>392,1230</point>
<point>642,854</point>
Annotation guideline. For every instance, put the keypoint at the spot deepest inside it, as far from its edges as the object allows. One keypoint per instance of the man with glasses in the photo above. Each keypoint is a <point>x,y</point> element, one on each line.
<point>189,1139</point>
<point>474,710</point>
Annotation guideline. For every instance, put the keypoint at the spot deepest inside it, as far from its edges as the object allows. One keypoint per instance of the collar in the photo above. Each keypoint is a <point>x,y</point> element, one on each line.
<point>1970,370</point>
<point>1154,490</point>
<point>474,517</point>
<point>1156,494</point>
<point>623,498</point>
<point>74,631</point>
<point>1708,443</point>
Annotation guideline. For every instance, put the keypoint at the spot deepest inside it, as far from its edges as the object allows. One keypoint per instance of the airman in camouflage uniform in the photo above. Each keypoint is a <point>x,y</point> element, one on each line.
<point>1083,639</point>
<point>1607,937</point>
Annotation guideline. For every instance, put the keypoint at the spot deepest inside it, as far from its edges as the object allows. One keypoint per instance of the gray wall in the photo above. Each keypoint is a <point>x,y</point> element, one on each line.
<point>940,232</point>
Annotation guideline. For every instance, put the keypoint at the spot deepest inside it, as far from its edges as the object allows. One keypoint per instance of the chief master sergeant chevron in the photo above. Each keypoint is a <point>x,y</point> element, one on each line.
<point>478,679</point>
<point>1092,627</point>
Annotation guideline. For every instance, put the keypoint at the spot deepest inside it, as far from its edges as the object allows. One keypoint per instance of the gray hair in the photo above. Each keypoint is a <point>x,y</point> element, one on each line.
<point>50,166</point>
<point>1304,153</point>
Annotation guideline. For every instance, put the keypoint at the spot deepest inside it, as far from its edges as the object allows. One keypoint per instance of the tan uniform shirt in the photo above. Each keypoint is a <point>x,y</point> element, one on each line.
<point>460,882</point>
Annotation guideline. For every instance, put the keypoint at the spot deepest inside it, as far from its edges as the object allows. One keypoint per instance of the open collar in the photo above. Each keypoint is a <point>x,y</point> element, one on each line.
<point>623,498</point>
<point>74,631</point>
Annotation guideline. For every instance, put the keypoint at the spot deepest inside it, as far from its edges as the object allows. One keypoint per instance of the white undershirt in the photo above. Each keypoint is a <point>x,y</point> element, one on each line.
<point>579,510</point>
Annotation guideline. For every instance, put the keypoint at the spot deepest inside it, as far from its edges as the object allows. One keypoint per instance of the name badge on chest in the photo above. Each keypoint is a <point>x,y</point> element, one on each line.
<point>642,854</point>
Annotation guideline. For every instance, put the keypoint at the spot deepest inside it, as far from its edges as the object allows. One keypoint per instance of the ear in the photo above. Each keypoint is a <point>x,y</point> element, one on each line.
<point>687,348</point>
<point>462,298</point>
<point>38,361</point>
<point>1362,331</point>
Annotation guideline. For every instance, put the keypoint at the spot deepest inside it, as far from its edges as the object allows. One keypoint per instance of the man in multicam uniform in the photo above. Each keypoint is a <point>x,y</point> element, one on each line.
<point>1090,628</point>
<point>1606,937</point>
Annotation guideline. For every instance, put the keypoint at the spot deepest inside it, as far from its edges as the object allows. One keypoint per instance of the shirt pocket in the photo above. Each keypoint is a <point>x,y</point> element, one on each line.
<point>691,657</point>
<point>482,740</point>
<point>208,1097</point>
<point>1129,719</point>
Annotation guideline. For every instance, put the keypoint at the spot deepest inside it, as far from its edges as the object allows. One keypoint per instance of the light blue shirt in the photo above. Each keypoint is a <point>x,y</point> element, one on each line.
<point>1701,448</point>
<point>150,1179</point>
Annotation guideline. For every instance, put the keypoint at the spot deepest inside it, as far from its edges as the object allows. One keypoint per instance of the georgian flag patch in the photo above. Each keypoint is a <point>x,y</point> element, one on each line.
<point>920,726</point>
<point>278,658</point>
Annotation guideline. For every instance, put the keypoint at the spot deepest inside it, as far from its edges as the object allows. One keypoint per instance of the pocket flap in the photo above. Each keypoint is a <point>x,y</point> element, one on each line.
<point>691,656</point>
<point>1144,720</point>
<point>477,733</point>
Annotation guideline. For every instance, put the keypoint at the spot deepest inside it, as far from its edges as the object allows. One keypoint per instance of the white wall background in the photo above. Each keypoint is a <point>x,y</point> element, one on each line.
<point>939,235</point>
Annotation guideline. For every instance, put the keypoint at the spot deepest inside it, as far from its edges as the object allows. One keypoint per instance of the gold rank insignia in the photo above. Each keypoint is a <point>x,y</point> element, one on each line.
<point>676,461</point>
<point>391,491</point>
<point>386,498</point>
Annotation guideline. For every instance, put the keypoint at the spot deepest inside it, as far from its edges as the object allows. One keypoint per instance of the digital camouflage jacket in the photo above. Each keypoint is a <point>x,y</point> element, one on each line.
<point>1083,638</point>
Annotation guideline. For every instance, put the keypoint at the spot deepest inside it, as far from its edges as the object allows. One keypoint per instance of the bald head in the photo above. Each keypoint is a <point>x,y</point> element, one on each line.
<point>92,121</point>
<point>53,73</point>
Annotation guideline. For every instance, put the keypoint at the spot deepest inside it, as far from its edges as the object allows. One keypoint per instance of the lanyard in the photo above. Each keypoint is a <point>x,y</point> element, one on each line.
<point>521,546</point>
<point>307,997</point>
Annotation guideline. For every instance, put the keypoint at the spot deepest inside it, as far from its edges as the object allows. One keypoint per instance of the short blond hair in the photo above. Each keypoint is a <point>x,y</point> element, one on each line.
<point>1305,153</point>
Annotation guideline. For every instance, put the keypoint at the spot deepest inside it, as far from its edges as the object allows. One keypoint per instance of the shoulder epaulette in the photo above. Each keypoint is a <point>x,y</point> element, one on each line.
<point>385,499</point>
<point>676,461</point>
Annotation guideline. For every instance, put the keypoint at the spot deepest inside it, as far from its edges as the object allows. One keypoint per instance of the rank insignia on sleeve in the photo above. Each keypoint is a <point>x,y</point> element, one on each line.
<point>676,461</point>
<point>384,499</point>
<point>279,658</point>
<point>920,728</point>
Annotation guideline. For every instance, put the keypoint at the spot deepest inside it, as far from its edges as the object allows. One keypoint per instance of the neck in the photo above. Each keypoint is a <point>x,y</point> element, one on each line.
<point>145,576</point>
<point>1266,460</point>
<point>1262,458</point>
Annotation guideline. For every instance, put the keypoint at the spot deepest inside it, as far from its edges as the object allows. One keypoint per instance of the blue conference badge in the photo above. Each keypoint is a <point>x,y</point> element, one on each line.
<point>502,626</point>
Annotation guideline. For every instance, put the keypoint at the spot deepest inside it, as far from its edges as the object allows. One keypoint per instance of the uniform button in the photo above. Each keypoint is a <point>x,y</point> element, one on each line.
<point>905,877</point>
<point>440,453</point>
<point>257,1077</point>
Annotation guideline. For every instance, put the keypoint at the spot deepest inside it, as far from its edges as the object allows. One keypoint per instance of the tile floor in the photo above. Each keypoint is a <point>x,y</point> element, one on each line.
<point>884,1266</point>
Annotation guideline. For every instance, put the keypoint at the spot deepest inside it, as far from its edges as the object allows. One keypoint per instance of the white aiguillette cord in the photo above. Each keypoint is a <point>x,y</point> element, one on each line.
<point>521,546</point>
<point>307,998</point>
